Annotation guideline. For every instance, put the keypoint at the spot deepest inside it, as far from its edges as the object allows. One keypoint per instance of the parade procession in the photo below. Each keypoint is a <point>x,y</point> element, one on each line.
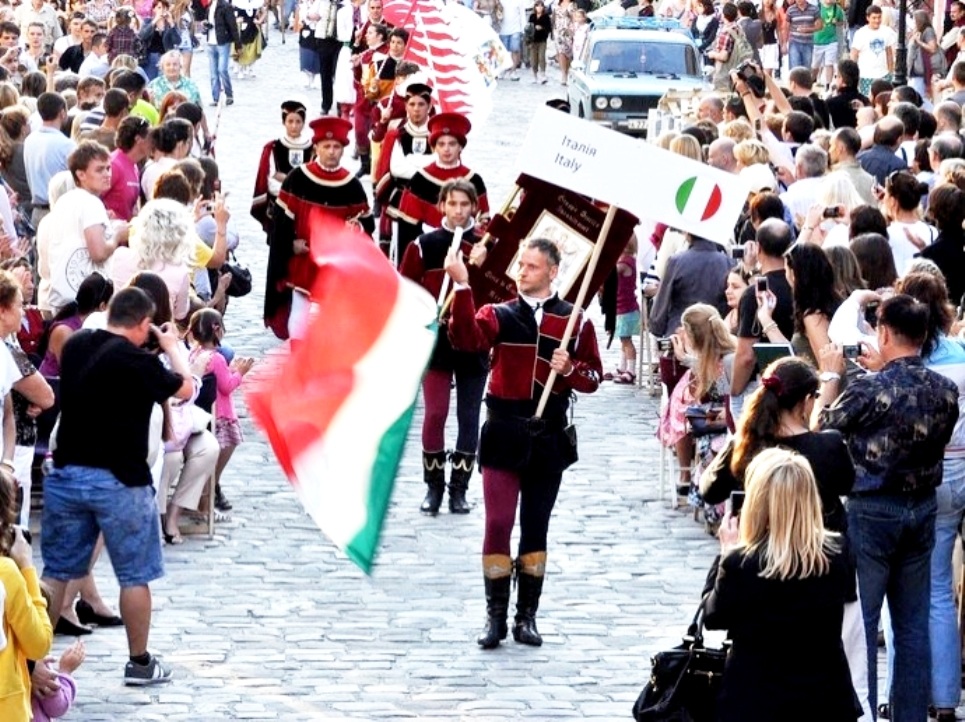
<point>482,360</point>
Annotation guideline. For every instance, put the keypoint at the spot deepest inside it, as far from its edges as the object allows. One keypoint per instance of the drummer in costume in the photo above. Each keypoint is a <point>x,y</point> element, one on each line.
<point>404,152</point>
<point>278,159</point>
<point>321,183</point>
<point>523,458</point>
<point>422,263</point>
<point>447,138</point>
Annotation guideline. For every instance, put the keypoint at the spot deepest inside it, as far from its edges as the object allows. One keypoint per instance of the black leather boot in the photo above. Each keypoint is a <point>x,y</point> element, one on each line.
<point>530,569</point>
<point>462,465</point>
<point>434,472</point>
<point>497,576</point>
<point>365,167</point>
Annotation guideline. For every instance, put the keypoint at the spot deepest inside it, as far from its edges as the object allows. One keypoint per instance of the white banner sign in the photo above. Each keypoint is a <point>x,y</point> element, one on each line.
<point>640,177</point>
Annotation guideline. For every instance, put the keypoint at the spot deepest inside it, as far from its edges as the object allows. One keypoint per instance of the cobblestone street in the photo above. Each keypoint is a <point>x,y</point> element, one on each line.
<point>269,622</point>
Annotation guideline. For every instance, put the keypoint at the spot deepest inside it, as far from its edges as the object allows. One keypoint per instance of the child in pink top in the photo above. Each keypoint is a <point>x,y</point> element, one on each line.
<point>206,330</point>
<point>59,697</point>
<point>628,313</point>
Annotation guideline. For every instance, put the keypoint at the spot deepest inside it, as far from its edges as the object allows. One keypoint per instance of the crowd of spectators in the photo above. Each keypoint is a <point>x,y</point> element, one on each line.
<point>849,259</point>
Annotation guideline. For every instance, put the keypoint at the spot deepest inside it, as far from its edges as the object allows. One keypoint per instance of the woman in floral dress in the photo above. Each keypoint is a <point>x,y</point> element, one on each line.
<point>563,35</point>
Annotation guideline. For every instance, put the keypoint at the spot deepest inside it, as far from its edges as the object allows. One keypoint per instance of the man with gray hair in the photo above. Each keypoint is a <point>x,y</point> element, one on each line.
<point>810,166</point>
<point>880,159</point>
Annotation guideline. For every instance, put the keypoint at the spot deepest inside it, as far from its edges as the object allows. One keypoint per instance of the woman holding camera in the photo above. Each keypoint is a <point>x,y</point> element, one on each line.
<point>811,278</point>
<point>782,570</point>
<point>26,630</point>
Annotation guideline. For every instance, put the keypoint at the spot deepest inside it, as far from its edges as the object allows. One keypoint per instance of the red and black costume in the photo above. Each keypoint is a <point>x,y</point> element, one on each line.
<point>522,458</point>
<point>423,262</point>
<point>420,201</point>
<point>405,150</point>
<point>307,187</point>
<point>278,156</point>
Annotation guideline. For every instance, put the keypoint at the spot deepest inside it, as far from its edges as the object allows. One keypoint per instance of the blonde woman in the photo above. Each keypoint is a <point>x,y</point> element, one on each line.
<point>702,346</point>
<point>780,569</point>
<point>687,146</point>
<point>751,152</point>
<point>162,240</point>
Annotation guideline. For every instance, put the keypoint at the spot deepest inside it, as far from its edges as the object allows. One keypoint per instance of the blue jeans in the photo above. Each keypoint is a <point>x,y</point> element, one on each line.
<point>218,57</point>
<point>799,55</point>
<point>946,652</point>
<point>288,9</point>
<point>892,538</point>
<point>80,502</point>
<point>150,65</point>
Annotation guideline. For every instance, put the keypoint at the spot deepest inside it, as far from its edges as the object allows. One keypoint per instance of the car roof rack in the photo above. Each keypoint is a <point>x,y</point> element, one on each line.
<point>632,23</point>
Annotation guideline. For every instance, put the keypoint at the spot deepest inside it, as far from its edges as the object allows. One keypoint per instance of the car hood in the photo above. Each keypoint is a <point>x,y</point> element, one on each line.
<point>640,85</point>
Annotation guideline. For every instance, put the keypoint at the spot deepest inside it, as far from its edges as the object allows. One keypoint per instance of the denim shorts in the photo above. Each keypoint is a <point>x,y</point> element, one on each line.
<point>79,503</point>
<point>513,43</point>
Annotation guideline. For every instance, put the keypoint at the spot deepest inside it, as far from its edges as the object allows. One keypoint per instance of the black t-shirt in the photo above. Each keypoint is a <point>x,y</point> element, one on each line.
<point>840,110</point>
<point>783,313</point>
<point>108,388</point>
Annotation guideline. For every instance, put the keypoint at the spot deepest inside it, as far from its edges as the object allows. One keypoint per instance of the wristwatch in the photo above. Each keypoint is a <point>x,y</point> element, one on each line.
<point>827,376</point>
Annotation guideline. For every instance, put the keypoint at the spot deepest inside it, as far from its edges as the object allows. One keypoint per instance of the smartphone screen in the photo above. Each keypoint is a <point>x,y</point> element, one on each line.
<point>762,285</point>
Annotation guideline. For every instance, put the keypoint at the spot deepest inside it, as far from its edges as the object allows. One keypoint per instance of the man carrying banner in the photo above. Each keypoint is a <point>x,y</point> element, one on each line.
<point>423,260</point>
<point>320,183</point>
<point>523,457</point>
<point>447,138</point>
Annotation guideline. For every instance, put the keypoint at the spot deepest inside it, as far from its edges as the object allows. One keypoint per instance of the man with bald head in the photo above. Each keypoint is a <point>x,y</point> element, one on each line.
<point>711,108</point>
<point>720,155</point>
<point>948,116</point>
<point>880,159</point>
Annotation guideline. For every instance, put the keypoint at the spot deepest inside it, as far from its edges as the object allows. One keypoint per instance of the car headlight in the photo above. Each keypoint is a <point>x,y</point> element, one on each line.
<point>616,103</point>
<point>600,103</point>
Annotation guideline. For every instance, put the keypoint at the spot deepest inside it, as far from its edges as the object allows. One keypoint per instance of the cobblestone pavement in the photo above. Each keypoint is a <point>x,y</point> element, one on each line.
<point>269,622</point>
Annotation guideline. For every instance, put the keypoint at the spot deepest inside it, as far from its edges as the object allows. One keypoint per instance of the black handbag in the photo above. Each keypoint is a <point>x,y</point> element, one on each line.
<point>684,681</point>
<point>240,278</point>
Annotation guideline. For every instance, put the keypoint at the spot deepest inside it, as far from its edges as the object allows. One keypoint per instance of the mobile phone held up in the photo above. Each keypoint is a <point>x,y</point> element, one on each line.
<point>737,253</point>
<point>761,284</point>
<point>664,345</point>
<point>736,502</point>
<point>851,351</point>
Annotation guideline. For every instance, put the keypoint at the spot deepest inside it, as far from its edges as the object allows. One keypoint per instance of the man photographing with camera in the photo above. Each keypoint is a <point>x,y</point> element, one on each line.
<point>101,481</point>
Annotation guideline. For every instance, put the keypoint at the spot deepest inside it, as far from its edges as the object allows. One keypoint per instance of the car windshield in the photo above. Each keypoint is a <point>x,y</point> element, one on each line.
<point>611,56</point>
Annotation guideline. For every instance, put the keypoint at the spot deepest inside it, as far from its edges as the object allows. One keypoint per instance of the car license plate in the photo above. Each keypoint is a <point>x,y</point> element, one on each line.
<point>637,124</point>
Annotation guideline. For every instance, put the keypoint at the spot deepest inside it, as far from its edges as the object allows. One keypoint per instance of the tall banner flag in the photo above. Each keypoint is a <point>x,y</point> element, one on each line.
<point>459,51</point>
<point>640,177</point>
<point>338,408</point>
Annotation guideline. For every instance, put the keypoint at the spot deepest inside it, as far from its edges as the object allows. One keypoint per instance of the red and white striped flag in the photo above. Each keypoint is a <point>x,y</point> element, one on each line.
<point>461,54</point>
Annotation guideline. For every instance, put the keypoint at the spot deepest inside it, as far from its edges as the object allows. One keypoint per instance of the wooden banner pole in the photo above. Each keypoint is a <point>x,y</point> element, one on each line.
<point>578,304</point>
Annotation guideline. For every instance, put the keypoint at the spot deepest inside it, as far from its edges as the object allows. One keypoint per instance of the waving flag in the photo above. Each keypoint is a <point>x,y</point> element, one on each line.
<point>337,409</point>
<point>459,51</point>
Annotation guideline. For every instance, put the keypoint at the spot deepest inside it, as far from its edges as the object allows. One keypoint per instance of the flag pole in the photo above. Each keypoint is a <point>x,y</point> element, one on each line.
<point>578,304</point>
<point>486,236</point>
<point>453,247</point>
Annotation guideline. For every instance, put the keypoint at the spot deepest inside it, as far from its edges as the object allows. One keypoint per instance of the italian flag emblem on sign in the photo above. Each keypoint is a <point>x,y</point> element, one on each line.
<point>698,198</point>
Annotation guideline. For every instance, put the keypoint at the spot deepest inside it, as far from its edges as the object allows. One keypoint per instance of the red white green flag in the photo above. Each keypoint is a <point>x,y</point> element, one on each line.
<point>337,409</point>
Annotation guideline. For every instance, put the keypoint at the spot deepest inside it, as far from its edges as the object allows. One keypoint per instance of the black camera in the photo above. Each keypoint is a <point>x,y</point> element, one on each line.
<point>737,253</point>
<point>745,71</point>
<point>852,351</point>
<point>664,345</point>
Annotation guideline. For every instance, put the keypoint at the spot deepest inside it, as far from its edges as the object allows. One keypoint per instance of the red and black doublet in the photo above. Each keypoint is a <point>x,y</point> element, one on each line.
<point>409,141</point>
<point>423,263</point>
<point>278,156</point>
<point>306,187</point>
<point>420,201</point>
<point>516,450</point>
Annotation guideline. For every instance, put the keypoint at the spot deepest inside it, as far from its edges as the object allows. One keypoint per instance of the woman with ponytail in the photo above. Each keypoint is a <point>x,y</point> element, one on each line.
<point>778,414</point>
<point>702,345</point>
